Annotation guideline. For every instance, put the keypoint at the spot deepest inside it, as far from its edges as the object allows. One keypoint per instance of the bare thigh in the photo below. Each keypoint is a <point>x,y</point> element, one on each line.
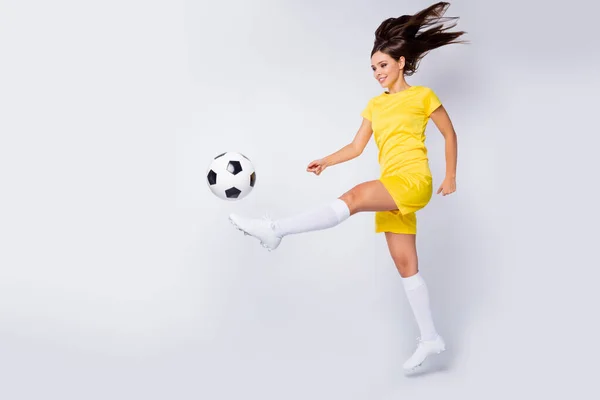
<point>403,249</point>
<point>369,196</point>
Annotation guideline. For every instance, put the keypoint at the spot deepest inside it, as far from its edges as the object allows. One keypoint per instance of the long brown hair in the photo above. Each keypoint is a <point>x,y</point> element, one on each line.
<point>413,36</point>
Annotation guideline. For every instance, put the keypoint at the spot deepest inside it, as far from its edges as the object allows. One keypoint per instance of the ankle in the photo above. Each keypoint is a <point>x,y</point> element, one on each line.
<point>431,337</point>
<point>276,229</point>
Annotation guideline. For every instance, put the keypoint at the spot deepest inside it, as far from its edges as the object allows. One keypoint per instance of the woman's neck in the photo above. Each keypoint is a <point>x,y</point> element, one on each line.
<point>399,85</point>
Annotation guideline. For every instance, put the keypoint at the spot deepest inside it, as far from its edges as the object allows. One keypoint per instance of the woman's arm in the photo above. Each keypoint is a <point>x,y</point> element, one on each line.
<point>346,153</point>
<point>442,121</point>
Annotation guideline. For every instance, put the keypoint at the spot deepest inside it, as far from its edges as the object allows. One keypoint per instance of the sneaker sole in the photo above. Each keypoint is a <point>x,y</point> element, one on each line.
<point>411,369</point>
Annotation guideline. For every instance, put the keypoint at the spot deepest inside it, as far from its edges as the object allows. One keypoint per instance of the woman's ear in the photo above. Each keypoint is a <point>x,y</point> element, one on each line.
<point>401,62</point>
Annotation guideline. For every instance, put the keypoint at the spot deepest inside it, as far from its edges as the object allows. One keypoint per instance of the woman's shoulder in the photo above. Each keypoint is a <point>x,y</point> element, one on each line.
<point>423,89</point>
<point>424,94</point>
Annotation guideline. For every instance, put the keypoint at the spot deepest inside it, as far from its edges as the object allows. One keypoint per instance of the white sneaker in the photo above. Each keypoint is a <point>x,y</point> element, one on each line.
<point>260,228</point>
<point>425,348</point>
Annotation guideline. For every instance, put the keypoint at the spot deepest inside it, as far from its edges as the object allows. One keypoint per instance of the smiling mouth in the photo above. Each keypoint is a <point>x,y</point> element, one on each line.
<point>381,79</point>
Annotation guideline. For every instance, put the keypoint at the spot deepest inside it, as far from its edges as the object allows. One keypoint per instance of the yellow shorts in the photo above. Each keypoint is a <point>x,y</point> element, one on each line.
<point>411,192</point>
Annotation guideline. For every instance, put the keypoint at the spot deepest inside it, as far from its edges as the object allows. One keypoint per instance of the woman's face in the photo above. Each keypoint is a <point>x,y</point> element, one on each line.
<point>385,69</point>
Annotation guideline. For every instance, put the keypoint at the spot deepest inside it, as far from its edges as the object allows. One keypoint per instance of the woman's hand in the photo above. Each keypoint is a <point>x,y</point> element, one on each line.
<point>317,166</point>
<point>448,186</point>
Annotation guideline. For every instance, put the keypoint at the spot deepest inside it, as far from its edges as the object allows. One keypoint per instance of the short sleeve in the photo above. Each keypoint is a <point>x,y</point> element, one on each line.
<point>431,102</point>
<point>367,113</point>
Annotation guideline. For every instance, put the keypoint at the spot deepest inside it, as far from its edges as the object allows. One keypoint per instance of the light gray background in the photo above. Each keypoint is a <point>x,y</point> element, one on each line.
<point>121,278</point>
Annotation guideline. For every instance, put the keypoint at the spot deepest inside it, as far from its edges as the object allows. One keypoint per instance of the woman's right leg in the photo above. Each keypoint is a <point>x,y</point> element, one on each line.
<point>367,196</point>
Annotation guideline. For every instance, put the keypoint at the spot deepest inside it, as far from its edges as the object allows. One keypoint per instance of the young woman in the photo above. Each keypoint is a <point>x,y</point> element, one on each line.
<point>397,117</point>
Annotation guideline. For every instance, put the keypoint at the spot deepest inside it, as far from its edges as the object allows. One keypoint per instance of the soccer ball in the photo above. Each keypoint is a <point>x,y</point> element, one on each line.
<point>231,176</point>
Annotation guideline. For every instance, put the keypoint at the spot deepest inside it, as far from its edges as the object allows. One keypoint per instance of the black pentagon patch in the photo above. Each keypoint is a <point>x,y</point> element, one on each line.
<point>212,177</point>
<point>232,193</point>
<point>252,179</point>
<point>220,155</point>
<point>234,167</point>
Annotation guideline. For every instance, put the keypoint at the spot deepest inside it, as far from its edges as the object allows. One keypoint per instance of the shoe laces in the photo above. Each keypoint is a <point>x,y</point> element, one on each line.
<point>419,341</point>
<point>267,217</point>
<point>270,220</point>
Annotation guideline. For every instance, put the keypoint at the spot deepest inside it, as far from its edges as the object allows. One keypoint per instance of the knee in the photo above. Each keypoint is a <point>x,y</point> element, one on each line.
<point>353,199</point>
<point>407,266</point>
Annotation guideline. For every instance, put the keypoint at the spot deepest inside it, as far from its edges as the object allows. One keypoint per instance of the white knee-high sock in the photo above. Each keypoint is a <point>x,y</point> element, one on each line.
<point>418,297</point>
<point>326,216</point>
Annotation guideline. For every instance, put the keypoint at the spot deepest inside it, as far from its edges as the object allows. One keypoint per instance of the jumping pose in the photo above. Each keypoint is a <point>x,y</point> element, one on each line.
<point>397,119</point>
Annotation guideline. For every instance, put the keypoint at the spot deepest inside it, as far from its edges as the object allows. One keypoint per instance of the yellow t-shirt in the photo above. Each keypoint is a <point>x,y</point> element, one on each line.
<point>399,121</point>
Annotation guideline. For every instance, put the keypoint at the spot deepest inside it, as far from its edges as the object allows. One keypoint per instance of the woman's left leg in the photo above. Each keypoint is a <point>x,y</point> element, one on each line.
<point>403,250</point>
<point>367,196</point>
